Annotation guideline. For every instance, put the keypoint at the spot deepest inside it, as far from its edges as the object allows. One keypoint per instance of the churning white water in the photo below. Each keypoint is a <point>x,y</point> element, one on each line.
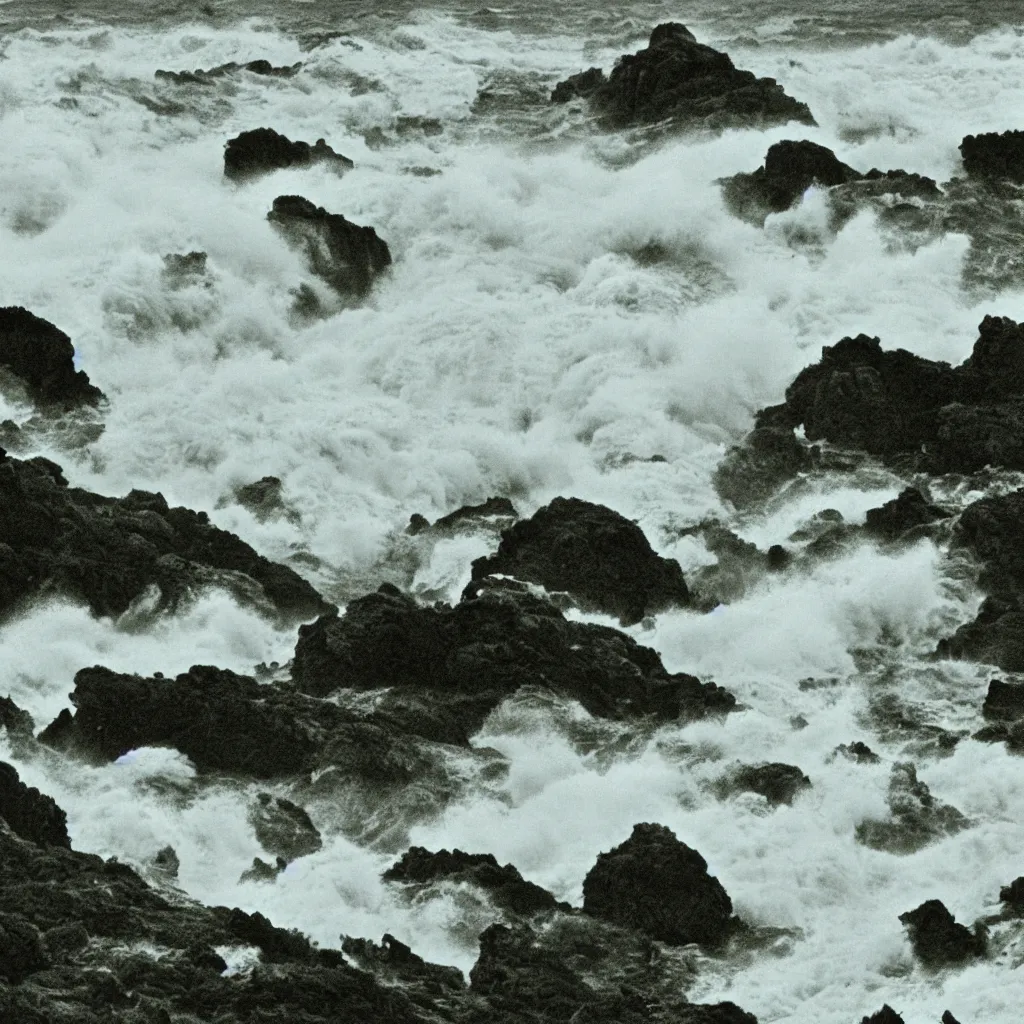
<point>518,347</point>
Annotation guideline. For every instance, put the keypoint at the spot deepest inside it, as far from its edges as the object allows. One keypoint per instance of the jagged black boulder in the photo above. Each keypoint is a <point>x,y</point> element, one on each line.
<point>905,517</point>
<point>677,78</point>
<point>464,660</point>
<point>599,557</point>
<point>937,939</point>
<point>108,551</point>
<point>29,813</point>
<point>994,155</point>
<point>263,150</point>
<point>916,820</point>
<point>348,257</point>
<point>660,886</point>
<point>503,883</point>
<point>42,357</point>
<point>256,67</point>
<point>886,1015</point>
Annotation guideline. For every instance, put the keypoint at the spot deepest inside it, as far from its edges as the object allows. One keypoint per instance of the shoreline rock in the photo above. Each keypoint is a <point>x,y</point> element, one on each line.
<point>262,151</point>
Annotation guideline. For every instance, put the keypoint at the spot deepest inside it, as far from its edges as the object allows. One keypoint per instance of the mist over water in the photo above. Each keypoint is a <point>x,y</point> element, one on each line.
<point>563,307</point>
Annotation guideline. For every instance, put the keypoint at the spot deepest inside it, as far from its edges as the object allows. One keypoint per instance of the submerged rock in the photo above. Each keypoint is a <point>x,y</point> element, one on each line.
<point>109,552</point>
<point>777,783</point>
<point>42,358</point>
<point>600,558</point>
<point>283,828</point>
<point>348,257</point>
<point>254,67</point>
<point>994,155</point>
<point>858,751</point>
<point>937,939</point>
<point>917,817</point>
<point>469,658</point>
<point>493,511</point>
<point>676,78</point>
<point>504,884</point>
<point>262,150</point>
<point>660,886</point>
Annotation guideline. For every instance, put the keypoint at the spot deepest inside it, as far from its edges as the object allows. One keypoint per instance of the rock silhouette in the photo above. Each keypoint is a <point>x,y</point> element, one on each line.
<point>262,150</point>
<point>937,939</point>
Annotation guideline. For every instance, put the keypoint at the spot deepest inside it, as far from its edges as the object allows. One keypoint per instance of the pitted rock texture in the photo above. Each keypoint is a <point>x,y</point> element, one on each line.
<point>108,552</point>
<point>676,78</point>
<point>464,660</point>
<point>262,150</point>
<point>348,257</point>
<point>42,357</point>
<point>660,886</point>
<point>600,558</point>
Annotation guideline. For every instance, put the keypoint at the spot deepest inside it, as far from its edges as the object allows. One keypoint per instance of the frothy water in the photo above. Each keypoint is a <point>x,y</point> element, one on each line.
<point>562,307</point>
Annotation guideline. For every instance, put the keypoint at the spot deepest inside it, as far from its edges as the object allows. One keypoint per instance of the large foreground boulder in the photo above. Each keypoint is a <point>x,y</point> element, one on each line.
<point>468,658</point>
<point>600,558</point>
<point>660,886</point>
<point>107,552</point>
<point>994,156</point>
<point>676,78</point>
<point>348,257</point>
<point>42,358</point>
<point>258,152</point>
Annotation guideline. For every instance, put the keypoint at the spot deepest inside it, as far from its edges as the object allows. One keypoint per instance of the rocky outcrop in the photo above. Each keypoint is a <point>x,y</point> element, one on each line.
<point>1004,701</point>
<point>30,814</point>
<point>283,828</point>
<point>994,156</point>
<point>886,1015</point>
<point>753,471</point>
<point>1012,896</point>
<point>907,517</point>
<point>505,886</point>
<point>792,167</point>
<point>677,79</point>
<point>348,257</point>
<point>42,358</point>
<point>108,552</point>
<point>917,818</point>
<point>255,67</point>
<point>261,151</point>
<point>938,941</point>
<point>857,751</point>
<point>600,558</point>
<point>660,886</point>
<point>76,934</point>
<point>464,660</point>
<point>777,783</point>
<point>488,514</point>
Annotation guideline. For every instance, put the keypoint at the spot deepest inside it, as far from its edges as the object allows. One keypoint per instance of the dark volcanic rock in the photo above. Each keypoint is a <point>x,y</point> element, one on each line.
<point>917,817</point>
<point>42,357</point>
<point>909,514</point>
<point>1004,701</point>
<point>29,813</point>
<point>994,155</point>
<point>859,752</point>
<point>599,557</point>
<point>469,517</point>
<point>468,658</point>
<point>348,257</point>
<point>109,551</point>
<point>21,948</point>
<point>677,78</point>
<point>263,150</point>
<point>790,168</point>
<point>777,783</point>
<point>756,469</point>
<point>255,67</point>
<point>14,720</point>
<point>395,963</point>
<point>504,884</point>
<point>1012,896</point>
<point>937,939</point>
<point>886,1015</point>
<point>284,828</point>
<point>660,886</point>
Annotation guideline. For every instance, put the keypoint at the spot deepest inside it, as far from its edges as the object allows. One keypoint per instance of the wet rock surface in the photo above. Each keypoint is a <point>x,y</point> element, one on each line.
<point>30,814</point>
<point>679,79</point>
<point>283,828</point>
<point>503,883</point>
<point>208,77</point>
<point>917,818</point>
<point>488,514</point>
<point>600,558</point>
<point>348,257</point>
<point>108,552</point>
<point>994,155</point>
<point>777,783</point>
<point>658,885</point>
<point>470,657</point>
<point>907,517</point>
<point>42,358</point>
<point>937,939</point>
<point>260,151</point>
